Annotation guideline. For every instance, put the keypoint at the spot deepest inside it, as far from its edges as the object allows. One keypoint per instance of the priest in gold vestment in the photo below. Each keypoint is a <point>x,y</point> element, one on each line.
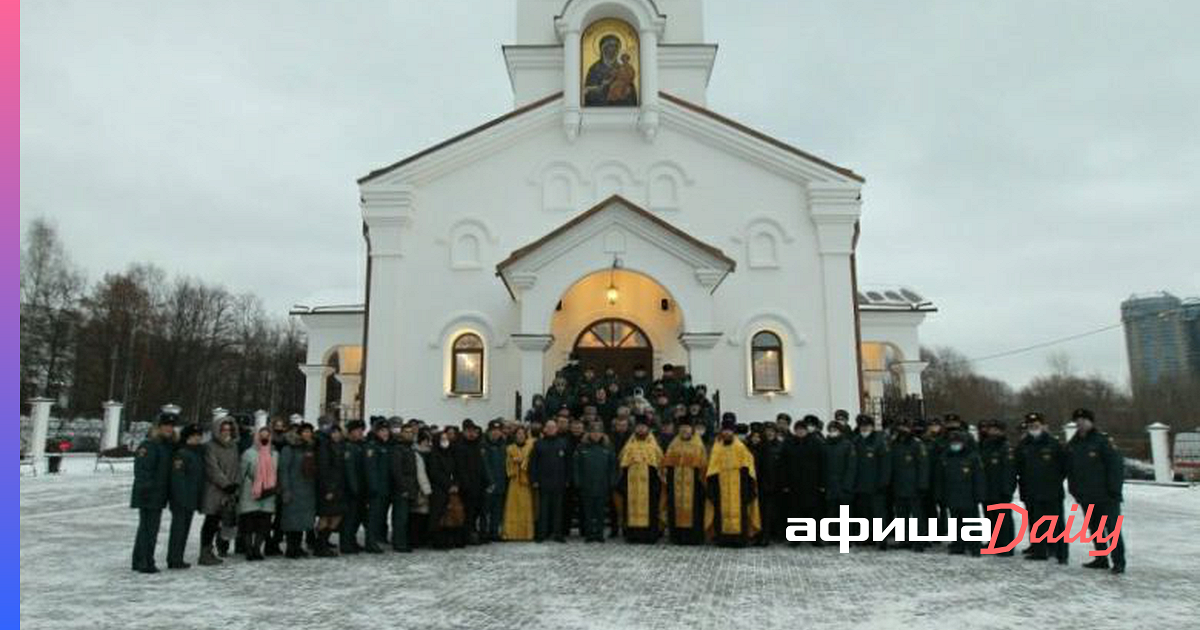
<point>640,485</point>
<point>518,504</point>
<point>731,517</point>
<point>685,466</point>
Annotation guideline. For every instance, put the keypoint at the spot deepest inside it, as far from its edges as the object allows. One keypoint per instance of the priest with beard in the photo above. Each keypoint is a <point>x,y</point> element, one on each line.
<point>685,464</point>
<point>639,485</point>
<point>732,517</point>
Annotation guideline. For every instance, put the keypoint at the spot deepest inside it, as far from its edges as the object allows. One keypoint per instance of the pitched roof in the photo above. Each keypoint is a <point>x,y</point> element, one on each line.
<point>758,135</point>
<point>600,207</point>
<point>462,136</point>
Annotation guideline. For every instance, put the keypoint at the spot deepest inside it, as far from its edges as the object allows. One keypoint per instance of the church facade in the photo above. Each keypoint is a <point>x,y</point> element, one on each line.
<point>612,217</point>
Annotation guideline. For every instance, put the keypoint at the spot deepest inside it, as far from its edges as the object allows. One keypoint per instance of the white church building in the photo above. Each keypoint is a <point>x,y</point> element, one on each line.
<point>610,214</point>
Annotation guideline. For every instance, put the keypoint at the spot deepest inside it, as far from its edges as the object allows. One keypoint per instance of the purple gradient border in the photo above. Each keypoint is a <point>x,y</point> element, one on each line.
<point>10,215</point>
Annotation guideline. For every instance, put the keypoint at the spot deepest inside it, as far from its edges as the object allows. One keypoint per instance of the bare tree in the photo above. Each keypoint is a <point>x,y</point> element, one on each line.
<point>51,287</point>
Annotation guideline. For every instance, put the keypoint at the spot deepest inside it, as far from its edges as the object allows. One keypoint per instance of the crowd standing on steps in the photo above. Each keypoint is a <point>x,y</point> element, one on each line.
<point>607,457</point>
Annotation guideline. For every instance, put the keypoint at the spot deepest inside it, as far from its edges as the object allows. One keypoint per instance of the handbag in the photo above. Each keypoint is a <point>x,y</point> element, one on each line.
<point>456,514</point>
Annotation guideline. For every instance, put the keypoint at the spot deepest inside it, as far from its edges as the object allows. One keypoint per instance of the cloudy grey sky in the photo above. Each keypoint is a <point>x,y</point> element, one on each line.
<point>1029,164</point>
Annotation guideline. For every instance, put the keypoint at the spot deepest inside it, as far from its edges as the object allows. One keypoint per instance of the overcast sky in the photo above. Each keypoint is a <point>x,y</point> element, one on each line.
<point>1029,164</point>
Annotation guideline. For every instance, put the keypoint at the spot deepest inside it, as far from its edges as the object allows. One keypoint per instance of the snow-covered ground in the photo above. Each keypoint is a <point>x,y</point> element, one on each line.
<point>77,530</point>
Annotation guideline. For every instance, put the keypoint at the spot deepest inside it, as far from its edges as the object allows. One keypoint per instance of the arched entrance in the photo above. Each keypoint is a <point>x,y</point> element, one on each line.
<point>616,343</point>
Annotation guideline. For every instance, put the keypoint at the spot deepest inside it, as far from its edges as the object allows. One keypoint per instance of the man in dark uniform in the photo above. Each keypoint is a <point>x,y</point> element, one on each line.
<point>1000,477</point>
<point>495,458</point>
<point>1095,476</point>
<point>873,472</point>
<point>548,471</point>
<point>187,482</point>
<point>377,462</point>
<point>841,464</point>
<point>910,476</point>
<point>1041,466</point>
<point>151,489</point>
<point>355,495</point>
<point>958,483</point>
<point>594,473</point>
<point>935,444</point>
<point>403,485</point>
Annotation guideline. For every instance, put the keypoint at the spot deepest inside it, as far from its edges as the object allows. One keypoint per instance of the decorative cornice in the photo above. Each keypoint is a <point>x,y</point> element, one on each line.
<point>532,342</point>
<point>699,340</point>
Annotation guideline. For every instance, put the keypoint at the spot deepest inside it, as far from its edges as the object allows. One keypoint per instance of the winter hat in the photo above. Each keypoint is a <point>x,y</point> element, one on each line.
<point>1083,414</point>
<point>864,420</point>
<point>188,431</point>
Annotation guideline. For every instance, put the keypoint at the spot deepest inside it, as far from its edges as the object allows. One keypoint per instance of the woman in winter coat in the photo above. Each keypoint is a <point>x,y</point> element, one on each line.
<point>443,478</point>
<point>219,500</point>
<point>256,501</point>
<point>331,488</point>
<point>418,516</point>
<point>298,487</point>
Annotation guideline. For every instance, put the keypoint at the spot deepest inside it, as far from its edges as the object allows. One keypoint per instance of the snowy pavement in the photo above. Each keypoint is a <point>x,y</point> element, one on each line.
<point>77,531</point>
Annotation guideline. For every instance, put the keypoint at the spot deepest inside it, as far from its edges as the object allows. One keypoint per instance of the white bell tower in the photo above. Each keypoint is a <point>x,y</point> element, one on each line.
<point>548,57</point>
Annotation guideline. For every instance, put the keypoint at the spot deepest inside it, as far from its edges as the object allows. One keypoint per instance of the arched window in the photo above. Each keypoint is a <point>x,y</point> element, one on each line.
<point>466,365</point>
<point>766,362</point>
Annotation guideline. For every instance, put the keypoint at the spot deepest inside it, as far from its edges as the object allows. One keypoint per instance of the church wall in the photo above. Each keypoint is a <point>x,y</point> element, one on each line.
<point>470,218</point>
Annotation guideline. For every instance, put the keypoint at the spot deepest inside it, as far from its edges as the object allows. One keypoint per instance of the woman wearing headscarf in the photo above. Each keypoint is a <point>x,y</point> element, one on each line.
<point>256,502</point>
<point>331,488</point>
<point>219,503</point>
<point>446,519</point>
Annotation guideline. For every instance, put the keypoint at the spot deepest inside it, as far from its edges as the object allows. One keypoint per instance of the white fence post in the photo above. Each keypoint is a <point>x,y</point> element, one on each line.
<point>112,425</point>
<point>1069,431</point>
<point>41,426</point>
<point>260,419</point>
<point>1160,451</point>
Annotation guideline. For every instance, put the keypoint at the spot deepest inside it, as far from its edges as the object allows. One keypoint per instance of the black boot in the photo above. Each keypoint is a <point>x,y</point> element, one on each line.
<point>254,547</point>
<point>324,549</point>
<point>1098,563</point>
<point>223,548</point>
<point>294,549</point>
<point>271,545</point>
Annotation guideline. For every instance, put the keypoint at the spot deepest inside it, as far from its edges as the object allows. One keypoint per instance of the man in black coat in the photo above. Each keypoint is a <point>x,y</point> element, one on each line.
<point>377,461</point>
<point>151,489</point>
<point>354,504</point>
<point>1095,476</point>
<point>1041,466</point>
<point>909,477</point>
<point>549,468</point>
<point>873,473</point>
<point>187,483</point>
<point>801,474</point>
<point>472,478</point>
<point>1000,477</point>
<point>404,486</point>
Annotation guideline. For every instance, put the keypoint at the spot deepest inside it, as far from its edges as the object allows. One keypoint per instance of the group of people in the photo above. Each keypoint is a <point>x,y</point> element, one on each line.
<point>634,458</point>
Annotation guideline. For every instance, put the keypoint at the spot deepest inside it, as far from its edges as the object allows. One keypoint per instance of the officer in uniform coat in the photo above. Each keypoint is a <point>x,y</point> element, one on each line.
<point>959,485</point>
<point>873,472</point>
<point>472,477</point>
<point>910,476</point>
<point>354,506</point>
<point>841,464</point>
<point>801,473</point>
<point>1041,466</point>
<point>377,463</point>
<point>1095,476</point>
<point>1000,476</point>
<point>495,459</point>
<point>151,489</point>
<point>549,468</point>
<point>187,484</point>
<point>404,487</point>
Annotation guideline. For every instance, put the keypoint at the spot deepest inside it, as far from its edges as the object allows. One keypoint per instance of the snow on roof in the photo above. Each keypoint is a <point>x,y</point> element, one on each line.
<point>884,297</point>
<point>342,299</point>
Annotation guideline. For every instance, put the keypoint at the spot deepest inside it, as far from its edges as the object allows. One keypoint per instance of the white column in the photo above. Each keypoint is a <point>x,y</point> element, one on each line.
<point>388,213</point>
<point>700,356</point>
<point>349,400</point>
<point>533,355</point>
<point>1069,431</point>
<point>648,120</point>
<point>874,381</point>
<point>1160,452</point>
<point>40,414</point>
<point>572,85</point>
<point>260,418</point>
<point>910,376</point>
<point>314,388</point>
<point>835,211</point>
<point>112,425</point>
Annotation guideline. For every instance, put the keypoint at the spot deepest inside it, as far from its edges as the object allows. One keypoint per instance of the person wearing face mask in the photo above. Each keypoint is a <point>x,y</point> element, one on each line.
<point>910,475</point>
<point>219,504</point>
<point>999,472</point>
<point>958,482</point>
<point>447,515</point>
<point>151,489</point>
<point>935,443</point>
<point>873,472</point>
<point>187,481</point>
<point>731,517</point>
<point>1041,464</point>
<point>1095,474</point>
<point>840,467</point>
<point>355,494</point>
<point>640,485</point>
<point>257,481</point>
